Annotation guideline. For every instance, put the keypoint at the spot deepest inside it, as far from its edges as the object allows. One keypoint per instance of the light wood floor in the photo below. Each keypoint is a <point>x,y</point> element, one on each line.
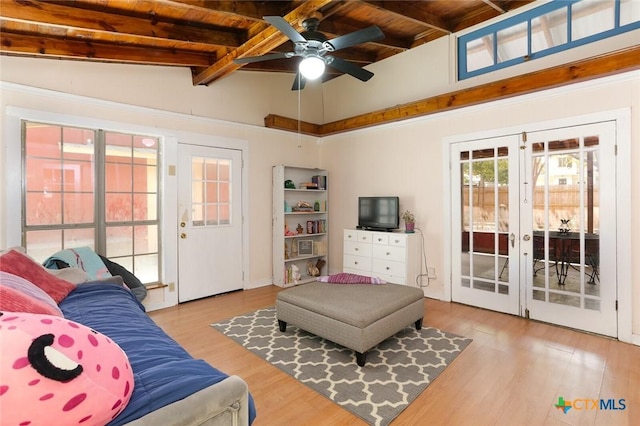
<point>512,373</point>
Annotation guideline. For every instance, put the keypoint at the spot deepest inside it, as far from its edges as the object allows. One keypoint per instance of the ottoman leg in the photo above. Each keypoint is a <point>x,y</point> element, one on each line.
<point>282,325</point>
<point>361,358</point>
<point>419,324</point>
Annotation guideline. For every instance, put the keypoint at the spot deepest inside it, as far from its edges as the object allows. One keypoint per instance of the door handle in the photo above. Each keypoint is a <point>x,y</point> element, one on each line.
<point>526,237</point>
<point>512,238</point>
<point>183,224</point>
<point>183,235</point>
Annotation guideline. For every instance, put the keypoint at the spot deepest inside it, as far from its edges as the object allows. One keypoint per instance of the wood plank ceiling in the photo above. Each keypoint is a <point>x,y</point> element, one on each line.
<point>207,35</point>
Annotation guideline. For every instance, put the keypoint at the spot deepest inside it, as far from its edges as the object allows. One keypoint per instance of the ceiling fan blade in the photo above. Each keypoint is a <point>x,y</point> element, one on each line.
<point>361,36</point>
<point>268,57</point>
<point>285,28</point>
<point>299,82</point>
<point>349,68</point>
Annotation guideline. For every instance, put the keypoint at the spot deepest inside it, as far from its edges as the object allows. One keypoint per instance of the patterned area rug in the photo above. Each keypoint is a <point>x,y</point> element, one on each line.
<point>396,372</point>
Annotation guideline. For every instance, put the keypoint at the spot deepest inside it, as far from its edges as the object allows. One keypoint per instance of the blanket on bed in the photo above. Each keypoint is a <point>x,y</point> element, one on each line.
<point>163,371</point>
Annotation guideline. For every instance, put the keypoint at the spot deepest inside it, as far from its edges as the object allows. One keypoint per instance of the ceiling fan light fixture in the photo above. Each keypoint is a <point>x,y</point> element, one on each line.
<point>311,67</point>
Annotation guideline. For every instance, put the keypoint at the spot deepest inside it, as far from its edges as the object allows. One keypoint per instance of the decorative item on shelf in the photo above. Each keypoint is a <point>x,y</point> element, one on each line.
<point>409,221</point>
<point>302,206</point>
<point>295,274</point>
<point>312,269</point>
<point>564,228</point>
<point>294,250</point>
<point>321,181</point>
<point>319,264</point>
<point>305,247</point>
<point>316,206</point>
<point>309,185</point>
<point>288,184</point>
<point>286,251</point>
<point>287,207</point>
<point>288,232</point>
<point>300,229</point>
<point>320,248</point>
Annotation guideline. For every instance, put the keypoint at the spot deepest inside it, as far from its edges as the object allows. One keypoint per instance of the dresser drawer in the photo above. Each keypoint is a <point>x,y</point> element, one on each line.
<point>364,236</point>
<point>399,240</point>
<point>350,235</point>
<point>395,253</point>
<point>358,263</point>
<point>389,268</point>
<point>380,238</point>
<point>357,248</point>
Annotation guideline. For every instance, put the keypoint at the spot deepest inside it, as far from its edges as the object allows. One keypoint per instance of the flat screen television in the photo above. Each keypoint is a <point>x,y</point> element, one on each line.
<point>379,213</point>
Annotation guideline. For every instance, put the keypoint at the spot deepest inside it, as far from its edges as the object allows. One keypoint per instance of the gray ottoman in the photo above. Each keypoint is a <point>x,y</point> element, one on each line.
<point>356,316</point>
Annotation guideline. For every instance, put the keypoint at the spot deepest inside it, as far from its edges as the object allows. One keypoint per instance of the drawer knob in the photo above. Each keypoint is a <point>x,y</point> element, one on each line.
<point>356,248</point>
<point>355,263</point>
<point>387,268</point>
<point>397,241</point>
<point>388,253</point>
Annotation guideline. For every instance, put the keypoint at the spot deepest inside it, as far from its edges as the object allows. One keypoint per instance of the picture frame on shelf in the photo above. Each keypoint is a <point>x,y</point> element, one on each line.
<point>305,247</point>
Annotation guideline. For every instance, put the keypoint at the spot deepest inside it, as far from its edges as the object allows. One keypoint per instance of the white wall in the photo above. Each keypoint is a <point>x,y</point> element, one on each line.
<point>266,147</point>
<point>406,159</point>
<point>430,70</point>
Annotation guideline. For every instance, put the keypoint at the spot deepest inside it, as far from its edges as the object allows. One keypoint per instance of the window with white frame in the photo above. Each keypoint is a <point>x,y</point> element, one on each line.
<point>550,28</point>
<point>92,188</point>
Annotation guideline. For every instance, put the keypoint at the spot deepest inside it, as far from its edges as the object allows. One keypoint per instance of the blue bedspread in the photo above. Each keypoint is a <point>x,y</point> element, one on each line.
<point>163,371</point>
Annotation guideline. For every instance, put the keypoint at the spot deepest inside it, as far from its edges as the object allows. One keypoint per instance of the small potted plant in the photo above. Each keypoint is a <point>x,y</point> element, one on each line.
<point>409,221</point>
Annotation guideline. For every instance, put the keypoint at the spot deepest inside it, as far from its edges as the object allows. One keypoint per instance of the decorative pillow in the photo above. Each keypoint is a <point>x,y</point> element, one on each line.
<point>20,264</point>
<point>58,371</point>
<point>19,295</point>
<point>346,278</point>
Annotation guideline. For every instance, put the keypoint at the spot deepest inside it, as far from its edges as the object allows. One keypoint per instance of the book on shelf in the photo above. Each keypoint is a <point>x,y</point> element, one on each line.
<point>320,180</point>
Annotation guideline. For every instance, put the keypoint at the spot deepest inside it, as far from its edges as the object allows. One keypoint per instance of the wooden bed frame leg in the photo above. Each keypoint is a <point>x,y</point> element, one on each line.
<point>419,324</point>
<point>282,325</point>
<point>361,358</point>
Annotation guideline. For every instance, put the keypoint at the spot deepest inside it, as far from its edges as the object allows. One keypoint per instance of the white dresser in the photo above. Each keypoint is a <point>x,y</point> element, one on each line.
<point>391,256</point>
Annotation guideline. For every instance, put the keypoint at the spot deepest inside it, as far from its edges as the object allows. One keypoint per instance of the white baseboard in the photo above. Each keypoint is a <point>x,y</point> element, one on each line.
<point>635,339</point>
<point>261,283</point>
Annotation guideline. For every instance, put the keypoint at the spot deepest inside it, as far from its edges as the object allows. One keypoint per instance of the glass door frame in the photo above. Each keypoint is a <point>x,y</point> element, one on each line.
<point>487,289</point>
<point>622,118</point>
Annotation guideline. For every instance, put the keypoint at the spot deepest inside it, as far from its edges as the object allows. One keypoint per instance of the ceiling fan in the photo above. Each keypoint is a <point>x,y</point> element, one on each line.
<point>313,46</point>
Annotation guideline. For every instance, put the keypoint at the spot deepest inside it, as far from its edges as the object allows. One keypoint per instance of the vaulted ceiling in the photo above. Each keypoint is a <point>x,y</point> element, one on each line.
<point>206,36</point>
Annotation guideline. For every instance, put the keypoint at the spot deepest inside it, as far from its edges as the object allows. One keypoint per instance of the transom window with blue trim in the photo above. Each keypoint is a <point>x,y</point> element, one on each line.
<point>550,28</point>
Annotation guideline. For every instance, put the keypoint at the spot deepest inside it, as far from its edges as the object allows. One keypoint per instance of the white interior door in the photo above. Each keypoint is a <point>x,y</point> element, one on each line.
<point>485,264</point>
<point>571,273</point>
<point>210,221</point>
<point>529,236</point>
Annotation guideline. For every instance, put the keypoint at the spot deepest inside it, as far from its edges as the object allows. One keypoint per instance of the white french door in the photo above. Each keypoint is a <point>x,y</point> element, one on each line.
<point>210,221</point>
<point>529,236</point>
<point>569,183</point>
<point>484,188</point>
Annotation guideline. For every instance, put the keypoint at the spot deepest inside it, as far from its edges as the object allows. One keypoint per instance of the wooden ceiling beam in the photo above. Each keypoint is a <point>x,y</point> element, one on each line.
<point>52,14</point>
<point>612,63</point>
<point>38,46</point>
<point>266,39</point>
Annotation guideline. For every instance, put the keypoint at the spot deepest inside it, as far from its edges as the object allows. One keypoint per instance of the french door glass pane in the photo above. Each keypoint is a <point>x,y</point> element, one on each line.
<point>485,227</point>
<point>566,222</point>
